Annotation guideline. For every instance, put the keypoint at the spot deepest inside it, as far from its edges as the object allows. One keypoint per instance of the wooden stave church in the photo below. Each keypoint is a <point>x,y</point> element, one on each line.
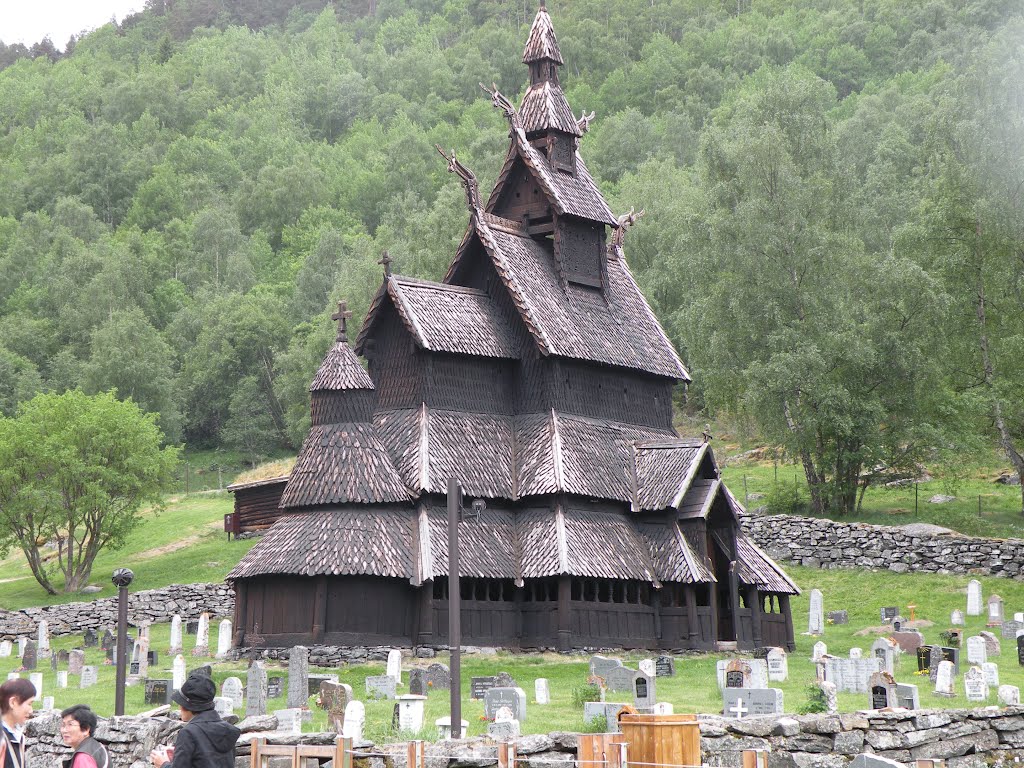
<point>537,375</point>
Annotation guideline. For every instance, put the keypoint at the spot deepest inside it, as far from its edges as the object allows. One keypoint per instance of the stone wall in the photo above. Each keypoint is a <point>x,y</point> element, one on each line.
<point>154,605</point>
<point>917,547</point>
<point>978,738</point>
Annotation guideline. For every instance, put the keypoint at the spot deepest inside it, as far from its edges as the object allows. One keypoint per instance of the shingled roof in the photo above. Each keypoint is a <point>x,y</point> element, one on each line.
<point>444,318</point>
<point>340,370</point>
<point>541,43</point>
<point>570,321</point>
<point>664,471</point>
<point>544,108</point>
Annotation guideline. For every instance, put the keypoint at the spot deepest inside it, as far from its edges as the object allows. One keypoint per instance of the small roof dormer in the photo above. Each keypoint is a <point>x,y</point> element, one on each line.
<point>544,109</point>
<point>342,390</point>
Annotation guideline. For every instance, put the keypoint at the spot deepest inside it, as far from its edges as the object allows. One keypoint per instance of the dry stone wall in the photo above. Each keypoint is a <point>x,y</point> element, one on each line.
<point>978,738</point>
<point>154,605</point>
<point>822,543</point>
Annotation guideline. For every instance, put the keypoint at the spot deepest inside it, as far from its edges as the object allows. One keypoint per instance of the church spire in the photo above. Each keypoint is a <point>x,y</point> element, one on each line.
<point>542,45</point>
<point>544,108</point>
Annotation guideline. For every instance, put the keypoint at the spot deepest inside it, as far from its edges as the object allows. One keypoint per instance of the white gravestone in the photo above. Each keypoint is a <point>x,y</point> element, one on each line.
<point>22,642</point>
<point>176,635</point>
<point>856,653</point>
<point>819,651</point>
<point>991,672</point>
<point>223,705</point>
<point>5,648</point>
<point>1019,617</point>
<point>88,677</point>
<point>289,720</point>
<point>62,678</point>
<point>395,665</point>
<point>976,650</point>
<point>778,665</point>
<point>13,675</point>
<point>974,598</point>
<point>36,678</point>
<point>1009,696</point>
<point>202,647</point>
<point>410,712</point>
<point>43,639</point>
<point>178,672</point>
<point>231,688</point>
<point>355,717</point>
<point>975,686</point>
<point>885,650</point>
<point>223,639</point>
<point>48,703</point>
<point>648,667</point>
<point>663,708</point>
<point>956,618</point>
<point>944,679</point>
<point>541,692</point>
<point>751,702</point>
<point>816,616</point>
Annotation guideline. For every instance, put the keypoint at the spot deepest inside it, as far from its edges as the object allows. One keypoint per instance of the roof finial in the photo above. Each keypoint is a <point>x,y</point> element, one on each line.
<point>342,316</point>
<point>385,261</point>
<point>468,178</point>
<point>499,100</point>
<point>626,221</point>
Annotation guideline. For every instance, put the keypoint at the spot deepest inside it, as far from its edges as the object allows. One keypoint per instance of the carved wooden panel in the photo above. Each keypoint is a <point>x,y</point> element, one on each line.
<point>579,246</point>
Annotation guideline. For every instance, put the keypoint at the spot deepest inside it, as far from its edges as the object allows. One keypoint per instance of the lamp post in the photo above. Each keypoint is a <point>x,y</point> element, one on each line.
<point>122,578</point>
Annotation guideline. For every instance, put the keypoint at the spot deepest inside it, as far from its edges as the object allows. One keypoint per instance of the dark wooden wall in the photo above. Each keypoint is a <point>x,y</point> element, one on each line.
<point>603,392</point>
<point>343,407</point>
<point>395,367</point>
<point>462,383</point>
<point>522,197</point>
<point>257,506</point>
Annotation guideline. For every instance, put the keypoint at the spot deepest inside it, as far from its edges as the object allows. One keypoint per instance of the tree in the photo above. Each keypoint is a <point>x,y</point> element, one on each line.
<point>75,471</point>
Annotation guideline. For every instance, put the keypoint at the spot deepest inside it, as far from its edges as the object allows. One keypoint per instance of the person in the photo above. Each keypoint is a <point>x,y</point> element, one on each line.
<point>206,741</point>
<point>77,728</point>
<point>16,697</point>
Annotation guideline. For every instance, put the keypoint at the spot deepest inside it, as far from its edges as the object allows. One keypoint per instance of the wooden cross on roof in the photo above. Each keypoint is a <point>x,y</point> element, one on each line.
<point>385,261</point>
<point>342,316</point>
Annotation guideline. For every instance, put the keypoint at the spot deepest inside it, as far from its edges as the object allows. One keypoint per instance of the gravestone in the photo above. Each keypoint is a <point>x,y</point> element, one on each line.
<point>908,641</point>
<point>1009,696</point>
<point>974,598</point>
<point>418,681</point>
<point>22,642</point>
<point>410,711</point>
<point>992,647</point>
<point>53,662</point>
<point>601,666</point>
<point>192,627</point>
<point>108,640</point>
<point>335,697</point>
<point>76,660</point>
<point>395,665</point>
<point>838,617</point>
<point>355,718</point>
<point>313,681</point>
<point>884,649</point>
<point>62,658</point>
<point>202,646</point>
<point>223,706</point>
<point>298,673</point>
<point>541,692</point>
<point>36,678</point>
<point>620,680</point>
<point>380,687</point>
<point>62,678</point>
<point>142,649</point>
<point>995,611</point>
<point>89,677</point>
<point>513,698</point>
<point>907,696</point>
<point>944,679</point>
<point>956,618</point>
<point>897,623</point>
<point>223,639</point>
<point>478,686</point>
<point>231,688</point>
<point>504,727</point>
<point>158,692</point>
<point>43,639</point>
<point>935,659</point>
<point>818,651</point>
<point>255,690</point>
<point>778,665</point>
<point>178,675</point>
<point>882,688</point>
<point>1008,630</point>
<point>991,671</point>
<point>856,653</point>
<point>439,677</point>
<point>751,702</point>
<point>975,687</point>
<point>647,667</point>
<point>28,657</point>
<point>505,680</point>
<point>665,666</point>
<point>816,615</point>
<point>1020,650</point>
<point>6,646</point>
<point>889,613</point>
<point>289,720</point>
<point>644,695</point>
<point>850,675</point>
<point>977,652</point>
<point>176,646</point>
<point>737,674</point>
<point>90,639</point>
<point>275,687</point>
<point>48,703</point>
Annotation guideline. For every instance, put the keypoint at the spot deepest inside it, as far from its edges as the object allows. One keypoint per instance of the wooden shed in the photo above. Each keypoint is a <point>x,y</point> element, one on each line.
<point>537,375</point>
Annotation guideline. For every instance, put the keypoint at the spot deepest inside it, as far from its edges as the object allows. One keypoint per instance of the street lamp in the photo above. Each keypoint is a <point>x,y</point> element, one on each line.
<point>122,578</point>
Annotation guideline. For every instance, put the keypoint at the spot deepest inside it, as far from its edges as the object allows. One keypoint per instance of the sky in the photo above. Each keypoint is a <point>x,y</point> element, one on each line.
<point>29,21</point>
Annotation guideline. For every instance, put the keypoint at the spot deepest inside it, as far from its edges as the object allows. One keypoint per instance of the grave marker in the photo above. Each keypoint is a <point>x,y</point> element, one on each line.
<point>223,706</point>
<point>275,687</point>
<point>478,686</point>
<point>158,692</point>
<point>974,598</point>
<point>944,679</point>
<point>977,652</point>
<point>410,711</point>
<point>255,689</point>
<point>6,646</point>
<point>36,678</point>
<point>665,666</point>
<point>975,686</point>
<point>600,666</point>
<point>816,616</point>
<point>992,647</point>
<point>439,677</point>
<point>355,717</point>
<point>90,639</point>
<point>818,651</point>
<point>882,688</point>
<point>907,696</point>
<point>647,667</point>
<point>513,698</point>
<point>223,639</point>
<point>176,646</point>
<point>28,656</point>
<point>231,688</point>
<point>751,702</point>
<point>908,641</point>
<point>1008,630</point>
<point>89,676</point>
<point>418,681</point>
<point>335,698</point>
<point>995,611</point>
<point>395,666</point>
<point>541,693</point>
<point>884,649</point>
<point>298,673</point>
<point>43,639</point>
<point>289,720</point>
<point>838,617</point>
<point>991,672</point>
<point>178,674</point>
<point>380,687</point>
<point>62,678</point>
<point>778,665</point>
<point>1009,696</point>
<point>202,647</point>
<point>76,660</point>
<point>956,618</point>
<point>889,613</point>
<point>644,695</point>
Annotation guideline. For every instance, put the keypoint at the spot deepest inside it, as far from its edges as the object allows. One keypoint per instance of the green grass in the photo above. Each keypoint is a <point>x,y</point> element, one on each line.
<point>693,689</point>
<point>183,544</point>
<point>1000,515</point>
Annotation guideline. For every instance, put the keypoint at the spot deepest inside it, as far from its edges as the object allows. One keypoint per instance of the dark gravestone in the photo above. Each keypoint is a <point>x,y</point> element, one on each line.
<point>665,666</point>
<point>133,668</point>
<point>505,680</point>
<point>418,682</point>
<point>313,683</point>
<point>110,654</point>
<point>439,677</point>
<point>1020,650</point>
<point>63,657</point>
<point>839,617</point>
<point>30,656</point>
<point>934,659</point>
<point>897,624</point>
<point>924,655</point>
<point>192,627</point>
<point>158,692</point>
<point>879,697</point>
<point>108,640</point>
<point>478,686</point>
<point>889,613</point>
<point>274,687</point>
<point>153,657</point>
<point>90,639</point>
<point>733,679</point>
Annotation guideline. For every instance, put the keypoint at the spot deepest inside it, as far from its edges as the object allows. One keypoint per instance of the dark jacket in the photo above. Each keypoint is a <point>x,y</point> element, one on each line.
<point>94,750</point>
<point>14,749</point>
<point>206,741</point>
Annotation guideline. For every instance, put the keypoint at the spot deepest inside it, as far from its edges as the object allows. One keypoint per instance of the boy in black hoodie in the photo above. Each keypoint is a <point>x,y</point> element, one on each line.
<point>206,741</point>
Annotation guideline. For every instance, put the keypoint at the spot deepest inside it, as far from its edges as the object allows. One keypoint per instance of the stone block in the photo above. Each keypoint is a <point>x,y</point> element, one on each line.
<point>786,726</point>
<point>978,742</point>
<point>849,742</point>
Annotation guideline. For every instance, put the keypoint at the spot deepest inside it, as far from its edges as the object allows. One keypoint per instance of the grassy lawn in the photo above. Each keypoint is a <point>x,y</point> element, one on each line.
<point>185,543</point>
<point>693,689</point>
<point>1000,515</point>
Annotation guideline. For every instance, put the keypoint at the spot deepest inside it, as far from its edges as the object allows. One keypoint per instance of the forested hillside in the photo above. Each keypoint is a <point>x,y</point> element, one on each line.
<point>833,234</point>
